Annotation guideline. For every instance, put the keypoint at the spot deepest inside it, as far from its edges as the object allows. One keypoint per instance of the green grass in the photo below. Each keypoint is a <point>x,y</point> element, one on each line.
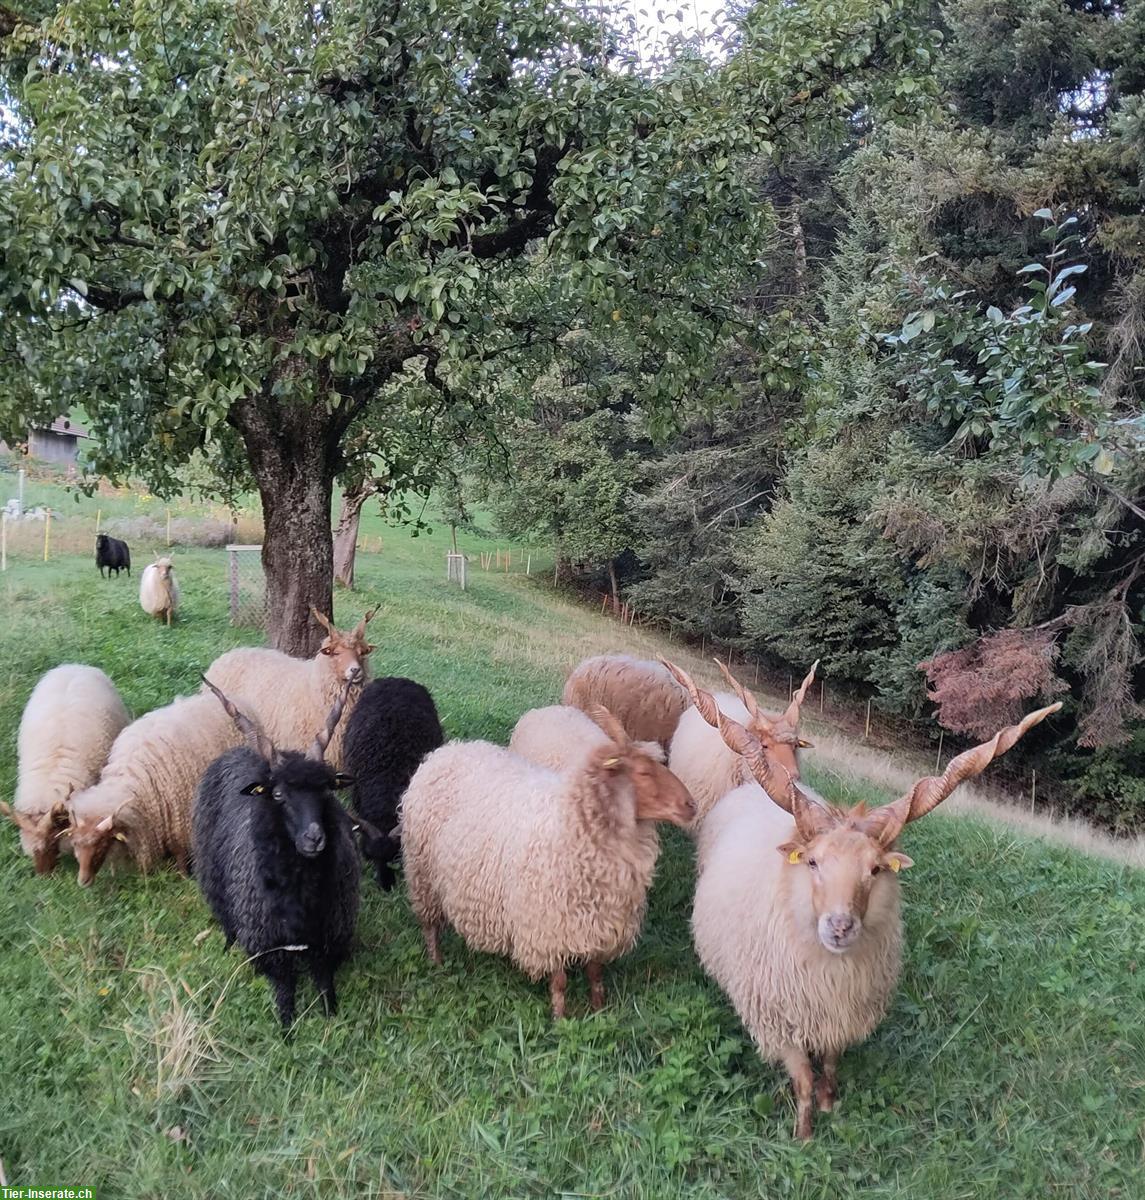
<point>136,1056</point>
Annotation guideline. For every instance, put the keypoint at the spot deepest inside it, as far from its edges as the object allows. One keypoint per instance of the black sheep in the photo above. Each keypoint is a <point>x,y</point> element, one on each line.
<point>275,858</point>
<point>393,727</point>
<point>113,554</point>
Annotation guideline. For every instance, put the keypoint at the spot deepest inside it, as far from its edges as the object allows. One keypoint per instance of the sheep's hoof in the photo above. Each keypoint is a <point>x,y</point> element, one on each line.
<point>803,1126</point>
<point>825,1095</point>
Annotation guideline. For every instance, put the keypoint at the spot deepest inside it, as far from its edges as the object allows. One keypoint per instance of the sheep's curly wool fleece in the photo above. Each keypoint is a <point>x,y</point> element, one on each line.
<point>755,934</point>
<point>641,695</point>
<point>544,868</point>
<point>560,737</point>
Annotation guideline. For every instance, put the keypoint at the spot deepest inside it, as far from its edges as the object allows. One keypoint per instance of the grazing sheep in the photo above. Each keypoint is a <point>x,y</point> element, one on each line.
<point>159,590</point>
<point>113,554</point>
<point>796,912</point>
<point>561,736</point>
<point>642,696</point>
<point>291,696</point>
<point>706,765</point>
<point>548,869</point>
<point>69,724</point>
<point>276,861</point>
<point>143,797</point>
<point>393,727</point>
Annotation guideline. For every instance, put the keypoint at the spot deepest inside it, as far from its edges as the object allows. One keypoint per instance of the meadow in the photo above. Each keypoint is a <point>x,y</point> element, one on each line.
<point>136,1057</point>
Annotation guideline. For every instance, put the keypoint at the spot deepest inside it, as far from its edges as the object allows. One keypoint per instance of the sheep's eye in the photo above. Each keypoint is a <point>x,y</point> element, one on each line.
<point>327,649</point>
<point>875,870</point>
<point>812,864</point>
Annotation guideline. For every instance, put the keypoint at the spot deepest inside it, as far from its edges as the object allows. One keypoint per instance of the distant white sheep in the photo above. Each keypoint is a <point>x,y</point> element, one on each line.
<point>710,768</point>
<point>69,724</point>
<point>560,736</point>
<point>290,697</point>
<point>144,795</point>
<point>641,695</point>
<point>159,590</point>
<point>550,869</point>
<point>796,913</point>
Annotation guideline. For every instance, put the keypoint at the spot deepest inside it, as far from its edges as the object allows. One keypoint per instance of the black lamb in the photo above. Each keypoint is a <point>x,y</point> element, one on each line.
<point>393,727</point>
<point>275,858</point>
<point>113,554</point>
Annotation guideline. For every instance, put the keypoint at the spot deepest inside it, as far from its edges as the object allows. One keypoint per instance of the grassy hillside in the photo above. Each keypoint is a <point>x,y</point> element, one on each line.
<point>137,1057</point>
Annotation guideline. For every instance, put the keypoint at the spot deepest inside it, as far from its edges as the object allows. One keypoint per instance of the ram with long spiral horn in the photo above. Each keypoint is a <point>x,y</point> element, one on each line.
<point>796,911</point>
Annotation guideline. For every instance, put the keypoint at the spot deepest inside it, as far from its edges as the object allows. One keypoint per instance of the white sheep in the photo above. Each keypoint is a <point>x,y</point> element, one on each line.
<point>796,912</point>
<point>144,795</point>
<point>66,732</point>
<point>290,697</point>
<point>561,736</point>
<point>550,869</point>
<point>641,695</point>
<point>159,593</point>
<point>706,765</point>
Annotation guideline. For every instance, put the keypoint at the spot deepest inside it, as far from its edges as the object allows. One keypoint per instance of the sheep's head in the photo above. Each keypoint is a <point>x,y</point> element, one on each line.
<point>100,541</point>
<point>162,567</point>
<point>346,651</point>
<point>93,836</point>
<point>39,834</point>
<point>847,851</point>
<point>659,795</point>
<point>777,737</point>
<point>300,786</point>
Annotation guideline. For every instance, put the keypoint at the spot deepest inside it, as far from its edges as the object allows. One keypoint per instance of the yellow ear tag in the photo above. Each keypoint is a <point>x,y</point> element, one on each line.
<point>794,856</point>
<point>119,837</point>
<point>610,762</point>
<point>894,864</point>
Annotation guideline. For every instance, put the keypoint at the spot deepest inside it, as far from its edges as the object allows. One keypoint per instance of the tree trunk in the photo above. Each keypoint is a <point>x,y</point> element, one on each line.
<point>615,586</point>
<point>293,456</point>
<point>346,531</point>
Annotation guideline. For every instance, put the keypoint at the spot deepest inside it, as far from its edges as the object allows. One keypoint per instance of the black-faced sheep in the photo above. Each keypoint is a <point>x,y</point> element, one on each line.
<point>796,912</point>
<point>66,732</point>
<point>549,869</point>
<point>141,804</point>
<point>159,590</point>
<point>710,768</point>
<point>290,697</point>
<point>276,861</point>
<point>113,554</point>
<point>641,695</point>
<point>393,727</point>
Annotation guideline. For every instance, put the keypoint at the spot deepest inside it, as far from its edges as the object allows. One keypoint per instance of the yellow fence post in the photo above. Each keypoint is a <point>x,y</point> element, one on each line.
<point>47,533</point>
<point>4,542</point>
<point>98,518</point>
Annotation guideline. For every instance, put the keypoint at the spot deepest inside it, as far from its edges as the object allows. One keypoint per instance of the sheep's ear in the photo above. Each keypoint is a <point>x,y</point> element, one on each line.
<point>897,862</point>
<point>105,825</point>
<point>343,781</point>
<point>254,789</point>
<point>792,851</point>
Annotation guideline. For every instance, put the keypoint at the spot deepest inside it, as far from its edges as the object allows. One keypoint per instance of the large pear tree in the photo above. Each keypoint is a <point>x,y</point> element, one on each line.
<point>232,227</point>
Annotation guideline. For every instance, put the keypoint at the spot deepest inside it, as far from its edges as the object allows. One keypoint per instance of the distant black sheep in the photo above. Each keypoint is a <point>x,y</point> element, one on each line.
<point>393,727</point>
<point>275,858</point>
<point>113,554</point>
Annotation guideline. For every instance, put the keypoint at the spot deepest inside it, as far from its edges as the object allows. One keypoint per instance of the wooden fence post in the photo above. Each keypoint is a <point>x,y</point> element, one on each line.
<point>98,518</point>
<point>47,533</point>
<point>867,731</point>
<point>3,542</point>
<point>938,756</point>
<point>168,527</point>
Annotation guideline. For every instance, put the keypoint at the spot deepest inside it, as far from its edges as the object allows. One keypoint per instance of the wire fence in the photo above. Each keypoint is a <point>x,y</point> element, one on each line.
<point>246,586</point>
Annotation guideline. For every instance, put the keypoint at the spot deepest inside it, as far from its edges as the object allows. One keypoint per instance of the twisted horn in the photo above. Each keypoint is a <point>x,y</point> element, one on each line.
<point>252,731</point>
<point>325,622</point>
<point>704,701</point>
<point>749,701</point>
<point>608,722</point>
<point>791,716</point>
<point>927,794</point>
<point>318,750</point>
<point>360,628</point>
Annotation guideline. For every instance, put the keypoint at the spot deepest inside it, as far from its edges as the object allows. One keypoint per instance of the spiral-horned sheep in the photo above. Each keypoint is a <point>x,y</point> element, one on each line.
<point>560,737</point>
<point>275,858</point>
<point>707,766</point>
<point>142,801</point>
<point>641,695</point>
<point>290,697</point>
<point>66,732</point>
<point>796,913</point>
<point>159,593</point>
<point>548,869</point>
<point>393,727</point>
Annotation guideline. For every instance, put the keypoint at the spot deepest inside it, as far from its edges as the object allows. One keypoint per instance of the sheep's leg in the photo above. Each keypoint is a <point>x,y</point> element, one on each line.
<point>429,932</point>
<point>386,876</point>
<point>595,973</point>
<point>827,1085</point>
<point>183,862</point>
<point>323,976</point>
<point>168,618</point>
<point>558,981</point>
<point>284,986</point>
<point>802,1081</point>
